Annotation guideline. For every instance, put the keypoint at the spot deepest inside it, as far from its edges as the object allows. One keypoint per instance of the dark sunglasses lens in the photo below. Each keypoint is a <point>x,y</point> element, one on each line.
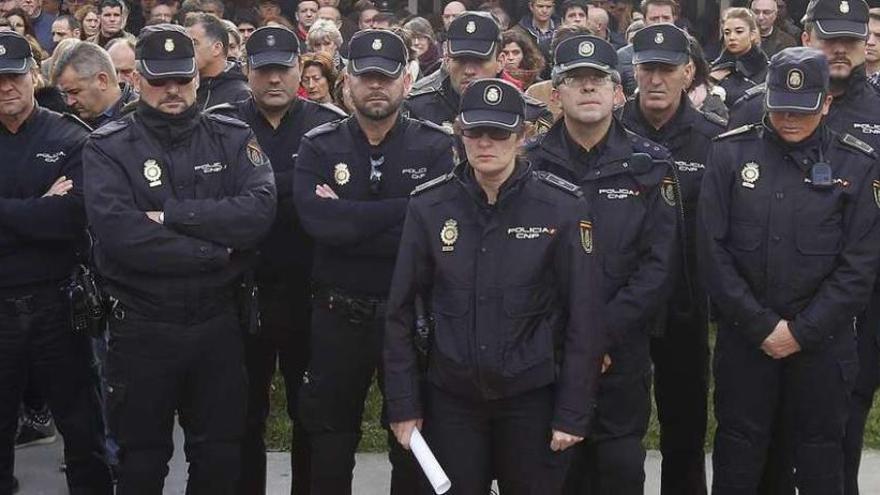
<point>180,81</point>
<point>494,133</point>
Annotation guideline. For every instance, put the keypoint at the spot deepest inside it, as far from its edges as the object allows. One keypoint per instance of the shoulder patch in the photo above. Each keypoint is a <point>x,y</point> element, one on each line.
<point>856,143</point>
<point>111,128</point>
<point>558,183</point>
<point>333,108</point>
<point>644,145</point>
<point>755,90</point>
<point>255,153</point>
<point>735,132</point>
<point>225,119</point>
<point>222,107</point>
<point>323,129</point>
<point>76,120</point>
<point>715,119</point>
<point>427,90</point>
<point>432,184</point>
<point>430,125</point>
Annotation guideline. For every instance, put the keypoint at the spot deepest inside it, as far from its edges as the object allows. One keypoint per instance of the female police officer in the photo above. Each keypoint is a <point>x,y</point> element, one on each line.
<point>503,256</point>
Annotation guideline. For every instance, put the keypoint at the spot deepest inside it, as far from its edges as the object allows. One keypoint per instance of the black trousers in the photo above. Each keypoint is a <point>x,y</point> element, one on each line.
<point>508,438</point>
<point>806,395</point>
<point>681,390</point>
<point>37,343</point>
<point>612,459</point>
<point>345,355</point>
<point>156,369</point>
<point>285,316</point>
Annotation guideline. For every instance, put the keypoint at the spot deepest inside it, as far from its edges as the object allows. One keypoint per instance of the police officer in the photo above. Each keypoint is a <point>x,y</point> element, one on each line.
<point>41,225</point>
<point>506,255</point>
<point>471,53</point>
<point>279,120</point>
<point>839,28</point>
<point>351,185</point>
<point>788,254</point>
<point>629,183</point>
<point>662,111</point>
<point>176,200</point>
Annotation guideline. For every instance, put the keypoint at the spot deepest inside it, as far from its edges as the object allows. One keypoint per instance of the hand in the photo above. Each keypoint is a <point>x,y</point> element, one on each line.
<point>780,343</point>
<point>154,216</point>
<point>60,187</point>
<point>324,191</point>
<point>606,363</point>
<point>403,430</point>
<point>562,440</point>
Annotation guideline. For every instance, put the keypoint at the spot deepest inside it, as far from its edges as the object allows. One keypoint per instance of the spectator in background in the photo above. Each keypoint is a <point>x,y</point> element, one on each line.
<point>324,37</point>
<point>498,13</point>
<point>189,7</point>
<point>41,22</point>
<point>88,18</point>
<point>574,13</point>
<point>773,39</point>
<point>114,15</point>
<point>655,12</point>
<point>742,63</point>
<point>121,51</point>
<point>235,52</point>
<point>620,12</point>
<point>268,9</point>
<point>6,6</point>
<point>872,45</point>
<point>214,7</point>
<point>163,11</point>
<point>705,94</point>
<point>246,23</point>
<point>220,81</point>
<point>784,20</point>
<point>633,28</point>
<point>367,16</point>
<point>47,67</point>
<point>540,24</point>
<point>279,21</point>
<point>65,26</point>
<point>520,58</point>
<point>385,20</point>
<point>306,14</point>
<point>319,77</point>
<point>68,6</point>
<point>599,19</point>
<point>20,22</point>
<point>424,45</point>
<point>452,10</point>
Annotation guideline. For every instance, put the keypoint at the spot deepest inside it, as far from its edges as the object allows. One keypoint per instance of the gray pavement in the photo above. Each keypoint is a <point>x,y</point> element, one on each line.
<point>37,469</point>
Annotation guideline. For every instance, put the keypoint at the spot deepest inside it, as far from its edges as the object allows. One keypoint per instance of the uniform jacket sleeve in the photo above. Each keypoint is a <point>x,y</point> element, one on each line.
<point>727,288</point>
<point>847,289</point>
<point>338,222</point>
<point>128,236</point>
<point>648,288</point>
<point>238,221</point>
<point>50,218</point>
<point>583,342</point>
<point>412,275</point>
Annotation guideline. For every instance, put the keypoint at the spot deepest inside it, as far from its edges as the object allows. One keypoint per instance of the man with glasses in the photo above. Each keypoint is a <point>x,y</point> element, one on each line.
<point>177,201</point>
<point>351,186</point>
<point>634,198</point>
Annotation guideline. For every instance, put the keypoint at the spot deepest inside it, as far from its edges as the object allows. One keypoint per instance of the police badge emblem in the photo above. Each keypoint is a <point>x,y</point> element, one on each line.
<point>844,7</point>
<point>877,192</point>
<point>153,173</point>
<point>668,190</point>
<point>270,40</point>
<point>169,45</point>
<point>795,79</point>
<point>750,174</point>
<point>492,96</point>
<point>471,27</point>
<point>449,235</point>
<point>2,50</point>
<point>586,236</point>
<point>377,44</point>
<point>341,174</point>
<point>586,49</point>
<point>659,39</point>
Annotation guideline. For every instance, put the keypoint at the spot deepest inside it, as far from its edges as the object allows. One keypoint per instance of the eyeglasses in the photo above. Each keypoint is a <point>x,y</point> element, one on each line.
<point>581,80</point>
<point>180,81</point>
<point>494,133</point>
<point>376,162</point>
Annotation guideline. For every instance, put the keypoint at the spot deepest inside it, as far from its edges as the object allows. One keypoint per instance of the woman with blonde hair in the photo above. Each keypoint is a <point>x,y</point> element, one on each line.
<point>742,64</point>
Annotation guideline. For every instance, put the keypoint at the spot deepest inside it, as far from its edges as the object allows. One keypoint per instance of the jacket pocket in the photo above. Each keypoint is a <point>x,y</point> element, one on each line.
<point>744,236</point>
<point>529,336</point>
<point>452,322</point>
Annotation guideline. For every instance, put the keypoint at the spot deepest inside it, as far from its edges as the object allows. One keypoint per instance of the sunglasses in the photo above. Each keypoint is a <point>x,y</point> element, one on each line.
<point>494,133</point>
<point>180,81</point>
<point>376,162</point>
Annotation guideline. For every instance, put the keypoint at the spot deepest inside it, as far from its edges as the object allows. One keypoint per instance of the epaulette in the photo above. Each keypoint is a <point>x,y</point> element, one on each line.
<point>333,108</point>
<point>735,132</point>
<point>129,107</point>
<point>854,142</point>
<point>715,118</point>
<point>430,125</point>
<point>422,91</point>
<point>432,183</point>
<point>754,91</point>
<point>225,119</point>
<point>78,121</point>
<point>323,129</point>
<point>222,107</point>
<point>110,128</point>
<point>644,145</point>
<point>558,183</point>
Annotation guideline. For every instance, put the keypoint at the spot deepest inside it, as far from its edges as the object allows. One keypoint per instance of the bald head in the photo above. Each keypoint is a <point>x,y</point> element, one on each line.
<point>598,19</point>
<point>451,11</point>
<point>122,54</point>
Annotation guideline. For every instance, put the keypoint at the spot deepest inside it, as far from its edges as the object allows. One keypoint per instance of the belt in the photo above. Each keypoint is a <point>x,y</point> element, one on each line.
<point>357,309</point>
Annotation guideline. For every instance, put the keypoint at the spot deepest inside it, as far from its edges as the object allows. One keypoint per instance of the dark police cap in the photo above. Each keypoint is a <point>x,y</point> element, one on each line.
<point>838,18</point>
<point>15,53</point>
<point>165,51</point>
<point>492,103</point>
<point>473,34</point>
<point>272,45</point>
<point>585,51</point>
<point>377,50</point>
<point>797,81</point>
<point>662,43</point>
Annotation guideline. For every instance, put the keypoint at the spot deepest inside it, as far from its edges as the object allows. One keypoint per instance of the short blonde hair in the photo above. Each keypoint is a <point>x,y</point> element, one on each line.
<point>324,29</point>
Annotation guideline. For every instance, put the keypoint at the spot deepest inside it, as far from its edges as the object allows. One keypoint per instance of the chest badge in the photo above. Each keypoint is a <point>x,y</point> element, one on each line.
<point>668,190</point>
<point>876,184</point>
<point>750,174</point>
<point>341,174</point>
<point>449,235</point>
<point>153,173</point>
<point>586,236</point>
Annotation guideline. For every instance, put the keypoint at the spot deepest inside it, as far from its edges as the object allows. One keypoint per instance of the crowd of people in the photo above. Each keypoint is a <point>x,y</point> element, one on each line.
<point>522,216</point>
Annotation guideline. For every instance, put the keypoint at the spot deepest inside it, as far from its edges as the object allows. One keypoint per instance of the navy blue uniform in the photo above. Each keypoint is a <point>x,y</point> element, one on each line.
<point>175,335</point>
<point>282,275</point>
<point>632,191</point>
<point>39,241</point>
<point>516,294</point>
<point>356,240</point>
<point>681,354</point>
<point>746,71</point>
<point>772,247</point>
